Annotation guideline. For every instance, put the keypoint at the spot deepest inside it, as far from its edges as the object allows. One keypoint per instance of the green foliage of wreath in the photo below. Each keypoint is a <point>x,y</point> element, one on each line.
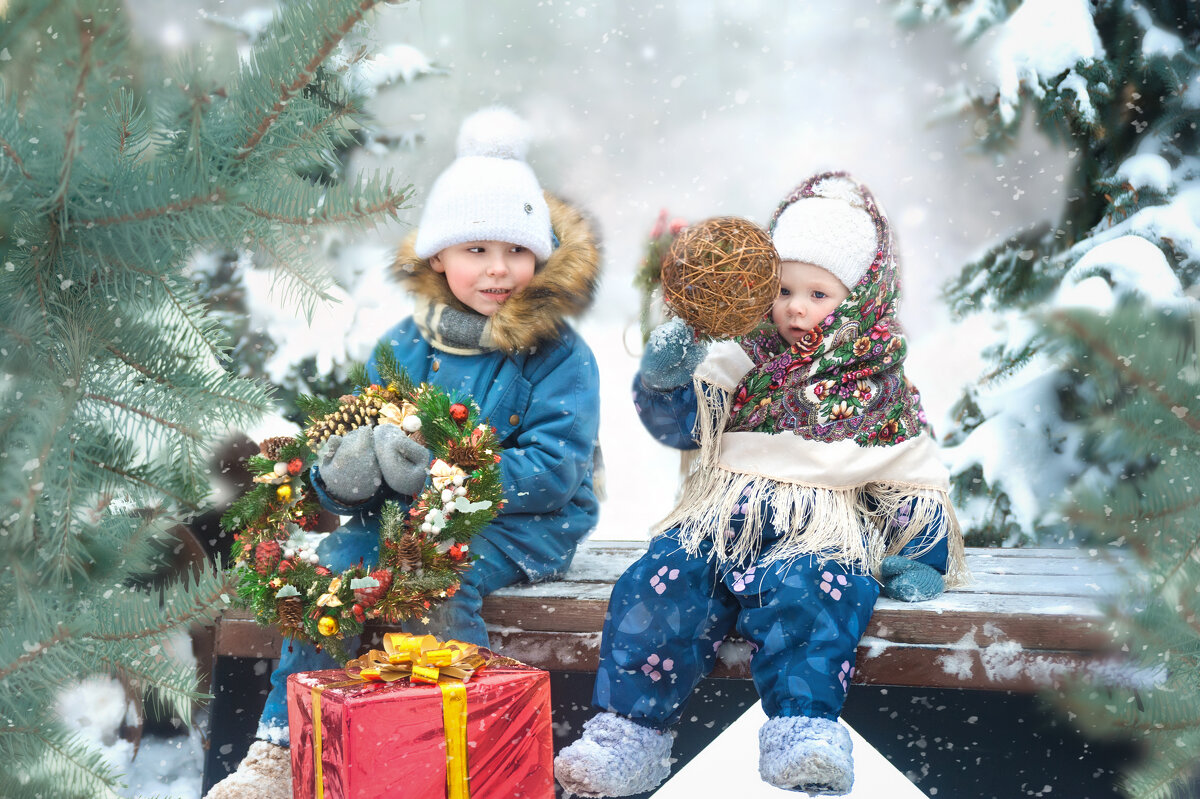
<point>423,549</point>
<point>648,277</point>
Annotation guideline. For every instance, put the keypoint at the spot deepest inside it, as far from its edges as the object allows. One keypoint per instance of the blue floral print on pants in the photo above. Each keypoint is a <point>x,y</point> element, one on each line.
<point>669,612</point>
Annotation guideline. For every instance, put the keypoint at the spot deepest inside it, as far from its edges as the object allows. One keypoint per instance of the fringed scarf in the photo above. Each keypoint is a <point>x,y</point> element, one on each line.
<point>827,432</point>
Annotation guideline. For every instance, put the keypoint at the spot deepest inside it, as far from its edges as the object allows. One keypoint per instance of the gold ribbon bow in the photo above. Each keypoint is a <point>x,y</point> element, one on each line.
<point>330,599</point>
<point>443,474</point>
<point>391,413</point>
<point>418,658</point>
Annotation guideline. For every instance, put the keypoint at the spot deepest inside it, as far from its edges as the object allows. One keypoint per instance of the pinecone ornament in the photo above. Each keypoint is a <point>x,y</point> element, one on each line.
<point>466,455</point>
<point>266,557</point>
<point>369,596</point>
<point>408,553</point>
<point>354,412</point>
<point>272,447</point>
<point>291,612</point>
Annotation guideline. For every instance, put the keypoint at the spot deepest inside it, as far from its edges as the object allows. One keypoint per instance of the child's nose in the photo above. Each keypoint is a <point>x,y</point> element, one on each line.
<point>497,266</point>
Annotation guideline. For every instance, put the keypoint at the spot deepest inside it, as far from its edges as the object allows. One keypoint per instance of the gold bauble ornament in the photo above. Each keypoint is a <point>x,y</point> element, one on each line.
<point>284,492</point>
<point>327,626</point>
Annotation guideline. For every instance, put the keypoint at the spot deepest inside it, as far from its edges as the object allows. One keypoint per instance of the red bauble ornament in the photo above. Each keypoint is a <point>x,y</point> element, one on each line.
<point>458,412</point>
<point>369,596</point>
<point>294,466</point>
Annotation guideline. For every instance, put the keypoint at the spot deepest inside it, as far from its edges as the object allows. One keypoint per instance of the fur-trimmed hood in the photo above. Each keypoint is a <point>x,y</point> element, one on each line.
<point>562,287</point>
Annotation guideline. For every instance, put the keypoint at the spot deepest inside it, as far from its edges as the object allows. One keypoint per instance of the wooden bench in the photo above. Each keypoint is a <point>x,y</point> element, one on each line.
<point>1030,616</point>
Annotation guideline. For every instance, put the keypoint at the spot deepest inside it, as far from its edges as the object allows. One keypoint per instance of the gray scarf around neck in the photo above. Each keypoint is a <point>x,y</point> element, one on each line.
<point>451,330</point>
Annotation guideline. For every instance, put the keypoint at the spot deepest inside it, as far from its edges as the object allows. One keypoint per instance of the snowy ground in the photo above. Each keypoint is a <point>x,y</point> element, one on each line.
<point>703,107</point>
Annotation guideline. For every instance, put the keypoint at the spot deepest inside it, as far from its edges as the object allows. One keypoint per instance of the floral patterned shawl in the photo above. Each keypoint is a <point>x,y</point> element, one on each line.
<point>845,378</point>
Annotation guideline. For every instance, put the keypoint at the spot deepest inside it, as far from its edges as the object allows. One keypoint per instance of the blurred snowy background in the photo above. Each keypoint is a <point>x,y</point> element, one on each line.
<point>701,107</point>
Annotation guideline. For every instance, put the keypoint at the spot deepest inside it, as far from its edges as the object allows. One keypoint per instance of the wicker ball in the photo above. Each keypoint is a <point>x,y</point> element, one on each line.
<point>721,276</point>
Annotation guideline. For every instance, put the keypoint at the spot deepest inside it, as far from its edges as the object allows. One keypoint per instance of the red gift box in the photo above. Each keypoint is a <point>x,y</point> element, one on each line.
<point>390,740</point>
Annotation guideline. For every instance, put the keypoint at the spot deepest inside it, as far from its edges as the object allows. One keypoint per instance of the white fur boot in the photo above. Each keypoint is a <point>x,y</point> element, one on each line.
<point>806,754</point>
<point>614,757</point>
<point>264,773</point>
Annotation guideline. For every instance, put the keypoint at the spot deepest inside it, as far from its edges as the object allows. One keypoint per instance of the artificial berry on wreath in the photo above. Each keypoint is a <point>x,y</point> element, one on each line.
<point>359,615</point>
<point>458,412</point>
<point>295,466</point>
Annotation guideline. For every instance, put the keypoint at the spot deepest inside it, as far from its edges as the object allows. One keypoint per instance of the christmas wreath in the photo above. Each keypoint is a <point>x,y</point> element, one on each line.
<point>423,550</point>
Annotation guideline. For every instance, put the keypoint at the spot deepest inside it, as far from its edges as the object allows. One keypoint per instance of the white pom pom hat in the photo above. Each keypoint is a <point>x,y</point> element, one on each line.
<point>830,228</point>
<point>489,193</point>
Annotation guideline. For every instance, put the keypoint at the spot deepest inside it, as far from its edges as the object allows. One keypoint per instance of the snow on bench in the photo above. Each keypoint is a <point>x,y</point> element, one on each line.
<point>1029,617</point>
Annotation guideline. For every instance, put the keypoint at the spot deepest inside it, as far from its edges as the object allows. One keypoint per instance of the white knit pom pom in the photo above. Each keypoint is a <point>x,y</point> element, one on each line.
<point>840,188</point>
<point>495,133</point>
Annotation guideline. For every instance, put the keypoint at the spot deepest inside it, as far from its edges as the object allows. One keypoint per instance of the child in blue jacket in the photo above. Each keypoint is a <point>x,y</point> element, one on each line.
<point>495,267</point>
<point>816,474</point>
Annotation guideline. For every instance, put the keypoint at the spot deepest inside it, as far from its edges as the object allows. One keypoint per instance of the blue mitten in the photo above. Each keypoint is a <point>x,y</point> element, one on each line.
<point>403,461</point>
<point>671,355</point>
<point>348,467</point>
<point>910,580</point>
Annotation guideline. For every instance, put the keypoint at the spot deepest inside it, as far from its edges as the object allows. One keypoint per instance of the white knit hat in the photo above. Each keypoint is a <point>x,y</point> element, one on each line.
<point>489,193</point>
<point>831,229</point>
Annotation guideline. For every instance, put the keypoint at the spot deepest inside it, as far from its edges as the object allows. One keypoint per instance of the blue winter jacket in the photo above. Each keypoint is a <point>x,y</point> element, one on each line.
<point>540,389</point>
<point>545,407</point>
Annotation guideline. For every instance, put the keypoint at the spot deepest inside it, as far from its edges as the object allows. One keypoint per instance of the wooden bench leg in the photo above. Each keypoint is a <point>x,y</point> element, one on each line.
<point>239,688</point>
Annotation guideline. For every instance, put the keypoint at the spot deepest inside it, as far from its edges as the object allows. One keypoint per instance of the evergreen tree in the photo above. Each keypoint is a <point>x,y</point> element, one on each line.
<point>1117,82</point>
<point>114,386</point>
<point>1142,365</point>
<point>267,349</point>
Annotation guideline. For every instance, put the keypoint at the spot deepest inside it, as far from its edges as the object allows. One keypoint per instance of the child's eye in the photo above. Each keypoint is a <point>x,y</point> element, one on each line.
<point>784,292</point>
<point>517,248</point>
<point>475,249</point>
<point>819,295</point>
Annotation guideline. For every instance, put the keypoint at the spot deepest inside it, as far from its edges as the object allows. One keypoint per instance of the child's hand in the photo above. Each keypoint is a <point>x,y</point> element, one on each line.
<point>671,355</point>
<point>402,460</point>
<point>910,580</point>
<point>348,467</point>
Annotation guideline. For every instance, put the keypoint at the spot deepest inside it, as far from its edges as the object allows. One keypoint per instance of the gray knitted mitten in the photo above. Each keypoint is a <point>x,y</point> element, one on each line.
<point>348,466</point>
<point>910,580</point>
<point>403,461</point>
<point>671,355</point>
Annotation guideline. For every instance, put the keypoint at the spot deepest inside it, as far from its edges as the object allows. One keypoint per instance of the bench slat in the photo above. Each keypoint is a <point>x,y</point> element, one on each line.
<point>604,562</point>
<point>1028,615</point>
<point>917,666</point>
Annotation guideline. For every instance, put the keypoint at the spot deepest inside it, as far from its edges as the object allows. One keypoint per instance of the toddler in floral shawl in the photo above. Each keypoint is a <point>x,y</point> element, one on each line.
<point>816,483</point>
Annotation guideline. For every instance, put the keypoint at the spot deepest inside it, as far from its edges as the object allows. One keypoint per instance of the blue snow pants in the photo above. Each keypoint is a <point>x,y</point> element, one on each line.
<point>670,611</point>
<point>457,617</point>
